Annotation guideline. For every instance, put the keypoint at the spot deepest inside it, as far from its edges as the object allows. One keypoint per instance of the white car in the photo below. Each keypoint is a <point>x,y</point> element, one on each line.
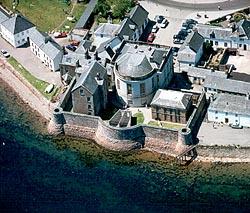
<point>155,29</point>
<point>5,53</point>
<point>164,23</point>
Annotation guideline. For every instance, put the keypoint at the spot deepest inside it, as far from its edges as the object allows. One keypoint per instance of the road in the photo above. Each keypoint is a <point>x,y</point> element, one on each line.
<point>225,5</point>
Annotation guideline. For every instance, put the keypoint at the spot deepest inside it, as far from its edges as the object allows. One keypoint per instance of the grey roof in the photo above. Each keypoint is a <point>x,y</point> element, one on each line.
<point>227,85</point>
<point>45,43</point>
<point>133,65</point>
<point>126,29</point>
<point>88,80</point>
<point>203,73</point>
<point>86,14</point>
<point>83,46</point>
<point>3,16</point>
<point>171,99</point>
<point>138,60</point>
<point>209,31</point>
<point>138,15</point>
<point>244,28</point>
<point>231,104</point>
<point>107,29</point>
<point>194,41</point>
<point>17,24</point>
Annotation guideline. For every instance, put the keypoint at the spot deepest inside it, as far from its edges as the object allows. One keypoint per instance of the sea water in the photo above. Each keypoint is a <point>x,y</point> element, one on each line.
<point>39,173</point>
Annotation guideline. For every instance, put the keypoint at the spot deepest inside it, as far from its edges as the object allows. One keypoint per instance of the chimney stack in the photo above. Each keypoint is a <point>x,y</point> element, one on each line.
<point>87,56</point>
<point>96,55</point>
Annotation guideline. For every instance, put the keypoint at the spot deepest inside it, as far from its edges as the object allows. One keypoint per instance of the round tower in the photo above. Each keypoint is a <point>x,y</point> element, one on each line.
<point>184,139</point>
<point>57,121</point>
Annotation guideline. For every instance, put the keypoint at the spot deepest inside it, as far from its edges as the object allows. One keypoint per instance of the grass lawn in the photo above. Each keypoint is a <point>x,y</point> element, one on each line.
<point>139,117</point>
<point>166,125</point>
<point>46,14</point>
<point>38,84</point>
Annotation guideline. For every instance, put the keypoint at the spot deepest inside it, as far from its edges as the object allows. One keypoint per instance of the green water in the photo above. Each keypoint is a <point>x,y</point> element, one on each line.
<point>39,173</point>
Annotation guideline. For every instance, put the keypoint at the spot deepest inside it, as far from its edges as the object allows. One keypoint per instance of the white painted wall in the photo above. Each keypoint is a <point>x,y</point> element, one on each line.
<point>233,118</point>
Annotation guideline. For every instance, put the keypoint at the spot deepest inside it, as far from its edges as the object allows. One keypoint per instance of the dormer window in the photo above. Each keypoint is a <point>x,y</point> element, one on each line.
<point>212,35</point>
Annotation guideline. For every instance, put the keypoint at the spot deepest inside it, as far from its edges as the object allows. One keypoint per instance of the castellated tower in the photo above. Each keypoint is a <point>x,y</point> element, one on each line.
<point>55,126</point>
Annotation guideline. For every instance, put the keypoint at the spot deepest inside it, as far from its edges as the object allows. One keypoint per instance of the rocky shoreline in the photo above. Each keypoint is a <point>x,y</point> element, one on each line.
<point>19,89</point>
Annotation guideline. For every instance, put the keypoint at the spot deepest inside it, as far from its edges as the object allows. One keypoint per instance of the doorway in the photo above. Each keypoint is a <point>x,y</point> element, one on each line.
<point>226,120</point>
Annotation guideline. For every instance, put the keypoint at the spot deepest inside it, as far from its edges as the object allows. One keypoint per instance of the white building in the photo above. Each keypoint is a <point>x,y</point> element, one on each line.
<point>238,36</point>
<point>3,17</point>
<point>46,49</point>
<point>230,109</point>
<point>140,70</point>
<point>191,51</point>
<point>16,30</point>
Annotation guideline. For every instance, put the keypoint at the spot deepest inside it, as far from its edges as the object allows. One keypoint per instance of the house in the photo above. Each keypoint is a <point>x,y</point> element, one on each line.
<point>132,27</point>
<point>16,30</point>
<point>237,36</point>
<point>197,75</point>
<point>140,70</point>
<point>46,49</point>
<point>230,109</point>
<point>89,94</point>
<point>172,106</point>
<point>215,84</point>
<point>104,33</point>
<point>191,50</point>
<point>3,17</point>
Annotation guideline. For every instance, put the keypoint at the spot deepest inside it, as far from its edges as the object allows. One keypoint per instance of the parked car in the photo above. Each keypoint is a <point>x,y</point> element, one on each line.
<point>60,35</point>
<point>71,47</point>
<point>175,51</point>
<point>178,41</point>
<point>191,21</point>
<point>75,43</point>
<point>155,29</point>
<point>151,37</point>
<point>159,18</point>
<point>164,23</point>
<point>236,126</point>
<point>5,53</point>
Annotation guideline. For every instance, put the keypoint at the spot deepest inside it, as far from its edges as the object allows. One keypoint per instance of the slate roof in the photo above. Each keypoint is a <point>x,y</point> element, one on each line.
<point>126,29</point>
<point>231,104</point>
<point>17,24</point>
<point>83,46</point>
<point>138,15</point>
<point>88,80</point>
<point>45,43</point>
<point>86,14</point>
<point>171,99</point>
<point>204,73</point>
<point>227,85</point>
<point>208,31</point>
<point>244,26</point>
<point>3,16</point>
<point>133,65</point>
<point>194,41</point>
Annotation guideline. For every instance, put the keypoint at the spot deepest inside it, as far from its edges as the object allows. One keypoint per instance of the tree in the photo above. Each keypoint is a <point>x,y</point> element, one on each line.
<point>121,7</point>
<point>102,8</point>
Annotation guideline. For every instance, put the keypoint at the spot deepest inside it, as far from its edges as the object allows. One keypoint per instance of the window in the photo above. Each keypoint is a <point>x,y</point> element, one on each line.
<point>153,83</point>
<point>216,117</point>
<point>129,89</point>
<point>225,44</point>
<point>23,40</point>
<point>216,112</point>
<point>216,43</point>
<point>226,113</point>
<point>18,42</point>
<point>89,106</point>
<point>81,92</point>
<point>240,45</point>
<point>88,99</point>
<point>142,89</point>
<point>22,33</point>
<point>118,83</point>
<point>236,115</point>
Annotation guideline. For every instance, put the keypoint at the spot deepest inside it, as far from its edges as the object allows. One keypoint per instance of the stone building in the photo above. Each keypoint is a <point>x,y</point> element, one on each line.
<point>89,94</point>
<point>230,109</point>
<point>172,106</point>
<point>140,70</point>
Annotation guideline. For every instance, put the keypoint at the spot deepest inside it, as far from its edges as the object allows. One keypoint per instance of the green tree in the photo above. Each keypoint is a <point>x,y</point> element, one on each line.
<point>102,8</point>
<point>121,7</point>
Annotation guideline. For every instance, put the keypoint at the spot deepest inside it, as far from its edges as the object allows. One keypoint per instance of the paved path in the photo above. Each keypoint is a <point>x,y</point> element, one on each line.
<point>30,62</point>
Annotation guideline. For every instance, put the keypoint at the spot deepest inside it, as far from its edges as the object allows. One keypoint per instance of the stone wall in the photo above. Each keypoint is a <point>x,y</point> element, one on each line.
<point>67,95</point>
<point>198,113</point>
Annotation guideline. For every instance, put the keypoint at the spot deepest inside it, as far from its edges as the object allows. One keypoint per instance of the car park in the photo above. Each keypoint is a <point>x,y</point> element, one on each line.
<point>155,29</point>
<point>5,53</point>
<point>151,37</point>
<point>178,41</point>
<point>164,23</point>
